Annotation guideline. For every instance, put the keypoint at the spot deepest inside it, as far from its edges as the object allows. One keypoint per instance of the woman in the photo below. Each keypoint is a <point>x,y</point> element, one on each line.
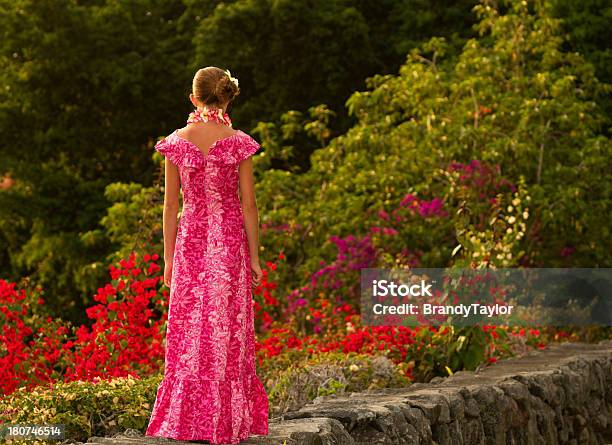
<point>210,391</point>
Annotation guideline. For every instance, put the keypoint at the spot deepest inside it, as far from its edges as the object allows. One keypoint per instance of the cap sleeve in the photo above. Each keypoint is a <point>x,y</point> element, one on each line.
<point>245,148</point>
<point>179,151</point>
<point>169,150</point>
<point>234,149</point>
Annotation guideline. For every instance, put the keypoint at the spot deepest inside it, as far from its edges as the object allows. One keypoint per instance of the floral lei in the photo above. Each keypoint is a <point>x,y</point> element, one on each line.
<point>206,114</point>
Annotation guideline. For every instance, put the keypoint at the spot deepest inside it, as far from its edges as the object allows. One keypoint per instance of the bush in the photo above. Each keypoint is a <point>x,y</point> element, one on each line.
<point>106,407</point>
<point>101,408</point>
<point>330,373</point>
<point>126,336</point>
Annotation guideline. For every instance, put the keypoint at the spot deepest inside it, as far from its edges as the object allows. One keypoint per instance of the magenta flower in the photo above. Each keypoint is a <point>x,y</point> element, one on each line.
<point>408,200</point>
<point>432,208</point>
<point>390,231</point>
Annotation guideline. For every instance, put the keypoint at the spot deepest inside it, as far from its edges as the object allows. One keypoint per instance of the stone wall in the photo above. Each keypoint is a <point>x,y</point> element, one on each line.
<point>562,395</point>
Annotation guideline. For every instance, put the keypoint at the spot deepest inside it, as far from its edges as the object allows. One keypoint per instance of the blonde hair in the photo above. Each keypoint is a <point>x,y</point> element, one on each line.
<point>213,86</point>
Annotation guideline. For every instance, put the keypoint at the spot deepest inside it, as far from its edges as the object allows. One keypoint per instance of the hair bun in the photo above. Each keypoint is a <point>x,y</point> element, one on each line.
<point>225,89</point>
<point>214,86</point>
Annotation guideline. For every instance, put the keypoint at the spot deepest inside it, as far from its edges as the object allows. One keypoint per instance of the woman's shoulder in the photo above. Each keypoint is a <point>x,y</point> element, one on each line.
<point>237,147</point>
<point>178,150</point>
<point>240,133</point>
<point>165,140</point>
<point>238,137</point>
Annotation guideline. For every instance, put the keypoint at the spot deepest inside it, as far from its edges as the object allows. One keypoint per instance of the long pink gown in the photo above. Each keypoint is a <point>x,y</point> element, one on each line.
<point>210,390</point>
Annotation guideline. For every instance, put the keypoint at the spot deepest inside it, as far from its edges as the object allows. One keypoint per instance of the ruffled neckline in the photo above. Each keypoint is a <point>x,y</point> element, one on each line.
<point>237,134</point>
<point>181,151</point>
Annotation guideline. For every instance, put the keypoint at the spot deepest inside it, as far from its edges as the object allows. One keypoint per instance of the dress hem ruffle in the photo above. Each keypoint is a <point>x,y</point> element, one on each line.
<point>181,404</point>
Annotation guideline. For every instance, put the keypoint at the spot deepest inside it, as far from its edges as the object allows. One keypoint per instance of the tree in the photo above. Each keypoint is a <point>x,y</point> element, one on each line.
<point>89,86</point>
<point>84,88</point>
<point>587,25</point>
<point>293,55</point>
<point>512,98</point>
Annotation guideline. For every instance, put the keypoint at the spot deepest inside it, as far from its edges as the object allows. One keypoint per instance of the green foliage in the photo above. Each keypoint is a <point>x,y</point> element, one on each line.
<point>134,220</point>
<point>496,241</point>
<point>105,407</point>
<point>309,53</point>
<point>293,55</point>
<point>511,98</point>
<point>85,85</point>
<point>327,374</point>
<point>404,25</point>
<point>88,86</point>
<point>295,130</point>
<point>451,349</point>
<point>87,409</point>
<point>587,23</point>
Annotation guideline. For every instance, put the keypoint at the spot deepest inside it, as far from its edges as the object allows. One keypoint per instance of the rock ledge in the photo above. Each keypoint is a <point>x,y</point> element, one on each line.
<point>562,395</point>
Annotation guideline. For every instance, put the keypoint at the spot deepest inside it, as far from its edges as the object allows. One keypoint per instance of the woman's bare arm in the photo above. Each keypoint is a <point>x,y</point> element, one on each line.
<point>171,207</point>
<point>251,216</point>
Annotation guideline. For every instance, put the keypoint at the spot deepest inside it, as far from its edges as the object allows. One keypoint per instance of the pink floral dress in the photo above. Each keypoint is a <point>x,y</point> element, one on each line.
<point>210,390</point>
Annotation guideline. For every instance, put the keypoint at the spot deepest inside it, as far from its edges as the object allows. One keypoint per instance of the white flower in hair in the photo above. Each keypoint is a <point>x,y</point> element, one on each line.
<point>233,79</point>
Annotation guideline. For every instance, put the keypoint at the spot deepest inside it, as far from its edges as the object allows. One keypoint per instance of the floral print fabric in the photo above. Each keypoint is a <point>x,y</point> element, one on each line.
<point>210,390</point>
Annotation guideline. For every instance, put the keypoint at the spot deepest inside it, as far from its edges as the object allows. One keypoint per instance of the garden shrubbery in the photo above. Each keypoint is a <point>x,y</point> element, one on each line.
<point>99,407</point>
<point>330,373</point>
<point>96,385</point>
<point>103,407</point>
